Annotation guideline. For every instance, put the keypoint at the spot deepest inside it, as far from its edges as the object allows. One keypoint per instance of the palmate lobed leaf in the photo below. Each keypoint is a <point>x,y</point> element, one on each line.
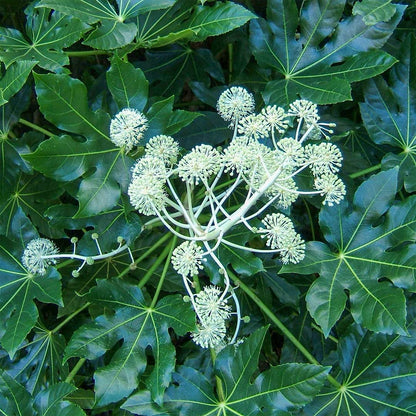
<point>140,327</point>
<point>113,31</point>
<point>276,391</point>
<point>18,289</point>
<point>361,259</point>
<point>46,37</point>
<point>316,53</point>
<point>377,373</point>
<point>388,113</point>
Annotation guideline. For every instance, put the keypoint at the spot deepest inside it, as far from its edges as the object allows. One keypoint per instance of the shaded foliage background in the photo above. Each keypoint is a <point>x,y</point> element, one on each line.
<point>333,335</point>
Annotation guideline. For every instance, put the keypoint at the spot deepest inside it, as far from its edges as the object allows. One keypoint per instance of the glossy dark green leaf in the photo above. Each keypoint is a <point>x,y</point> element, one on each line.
<point>113,31</point>
<point>46,35</point>
<point>319,59</point>
<point>127,85</point>
<point>63,101</point>
<point>276,391</point>
<point>140,327</point>
<point>18,289</point>
<point>14,399</point>
<point>377,375</point>
<point>38,363</point>
<point>142,404</point>
<point>51,401</point>
<point>188,21</point>
<point>361,259</point>
<point>14,79</point>
<point>388,113</point>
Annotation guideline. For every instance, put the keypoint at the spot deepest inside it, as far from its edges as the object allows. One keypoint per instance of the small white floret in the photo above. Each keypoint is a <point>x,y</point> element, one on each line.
<point>235,103</point>
<point>164,148</point>
<point>34,255</point>
<point>187,259</point>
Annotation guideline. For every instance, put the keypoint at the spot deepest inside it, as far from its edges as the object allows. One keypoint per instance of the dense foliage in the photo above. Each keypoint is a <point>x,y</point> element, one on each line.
<point>132,285</point>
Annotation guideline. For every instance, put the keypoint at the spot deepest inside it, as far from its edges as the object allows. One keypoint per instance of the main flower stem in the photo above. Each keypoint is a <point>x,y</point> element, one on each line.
<point>365,171</point>
<point>280,325</point>
<point>69,317</point>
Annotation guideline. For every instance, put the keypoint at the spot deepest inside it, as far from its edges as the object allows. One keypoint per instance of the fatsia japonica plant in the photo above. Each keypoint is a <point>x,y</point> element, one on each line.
<point>207,208</point>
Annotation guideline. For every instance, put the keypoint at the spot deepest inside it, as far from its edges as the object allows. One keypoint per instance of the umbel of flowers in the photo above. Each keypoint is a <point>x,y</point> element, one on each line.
<point>194,195</point>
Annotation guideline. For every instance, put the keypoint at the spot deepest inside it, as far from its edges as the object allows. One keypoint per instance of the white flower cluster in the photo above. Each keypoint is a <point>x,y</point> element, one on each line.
<point>192,195</point>
<point>38,256</point>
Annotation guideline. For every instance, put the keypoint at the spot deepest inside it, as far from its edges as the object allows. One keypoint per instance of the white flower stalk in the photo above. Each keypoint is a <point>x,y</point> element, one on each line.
<point>210,308</point>
<point>253,126</point>
<point>324,158</point>
<point>187,259</point>
<point>235,103</point>
<point>41,253</point>
<point>210,335</point>
<point>164,148</point>
<point>127,128</point>
<point>332,187</point>
<point>34,256</point>
<point>202,162</point>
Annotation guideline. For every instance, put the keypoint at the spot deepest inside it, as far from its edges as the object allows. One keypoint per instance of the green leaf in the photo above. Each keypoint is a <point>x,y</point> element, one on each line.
<point>113,31</point>
<point>14,399</point>
<point>51,401</point>
<point>374,11</point>
<point>127,85</point>
<point>388,113</point>
<point>377,375</point>
<point>47,36</point>
<point>63,101</point>
<point>18,289</point>
<point>38,363</point>
<point>362,259</point>
<point>188,21</point>
<point>14,79</point>
<point>140,327</point>
<point>314,53</point>
<point>273,392</point>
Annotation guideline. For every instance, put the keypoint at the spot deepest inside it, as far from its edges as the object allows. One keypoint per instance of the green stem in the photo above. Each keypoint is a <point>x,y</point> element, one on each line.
<point>156,264</point>
<point>145,254</point>
<point>35,127</point>
<point>365,171</point>
<point>87,53</point>
<point>280,325</point>
<point>220,388</point>
<point>75,370</point>
<point>230,62</point>
<point>317,328</point>
<point>69,317</point>
<point>310,219</point>
<point>164,272</point>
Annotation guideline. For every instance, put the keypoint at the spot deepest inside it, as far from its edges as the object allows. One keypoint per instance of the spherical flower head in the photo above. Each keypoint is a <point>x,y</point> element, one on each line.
<point>187,259</point>
<point>276,227</point>
<point>324,158</point>
<point>164,148</point>
<point>275,118</point>
<point>127,128</point>
<point>253,126</point>
<point>198,165</point>
<point>238,155</point>
<point>34,255</point>
<point>147,194</point>
<point>304,110</point>
<point>210,307</point>
<point>235,103</point>
<point>210,335</point>
<point>292,152</point>
<point>331,187</point>
<point>292,248</point>
<point>150,166</point>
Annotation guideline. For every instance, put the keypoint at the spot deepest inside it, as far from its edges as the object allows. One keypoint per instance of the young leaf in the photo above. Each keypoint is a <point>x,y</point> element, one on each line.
<point>18,289</point>
<point>361,253</point>
<point>47,36</point>
<point>274,392</point>
<point>377,375</point>
<point>140,327</point>
<point>389,113</point>
<point>316,54</point>
<point>374,11</point>
<point>113,31</point>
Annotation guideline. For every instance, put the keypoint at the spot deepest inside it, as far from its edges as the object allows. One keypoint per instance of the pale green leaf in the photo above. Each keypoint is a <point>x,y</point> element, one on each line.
<point>374,11</point>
